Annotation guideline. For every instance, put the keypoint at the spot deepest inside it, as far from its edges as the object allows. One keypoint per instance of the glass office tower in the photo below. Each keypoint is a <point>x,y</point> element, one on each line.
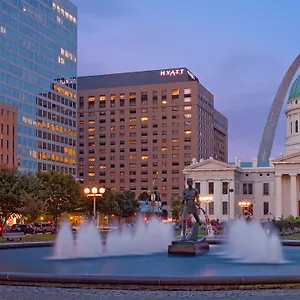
<point>38,69</point>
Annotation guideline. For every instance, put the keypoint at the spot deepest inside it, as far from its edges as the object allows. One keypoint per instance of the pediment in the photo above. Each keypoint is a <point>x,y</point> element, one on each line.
<point>210,164</point>
<point>292,158</point>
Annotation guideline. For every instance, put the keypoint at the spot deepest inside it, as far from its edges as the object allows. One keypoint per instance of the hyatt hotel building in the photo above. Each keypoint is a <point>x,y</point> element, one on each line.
<point>139,130</point>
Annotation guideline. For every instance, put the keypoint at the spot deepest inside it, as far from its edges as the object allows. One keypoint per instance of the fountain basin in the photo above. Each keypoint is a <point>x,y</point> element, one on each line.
<point>189,247</point>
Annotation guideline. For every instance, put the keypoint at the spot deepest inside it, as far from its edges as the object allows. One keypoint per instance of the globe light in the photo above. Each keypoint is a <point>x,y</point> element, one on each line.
<point>102,190</point>
<point>94,190</point>
<point>86,190</point>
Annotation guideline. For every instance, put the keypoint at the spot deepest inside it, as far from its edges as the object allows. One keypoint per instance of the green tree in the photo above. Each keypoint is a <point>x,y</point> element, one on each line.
<point>10,192</point>
<point>60,192</point>
<point>32,205</point>
<point>144,196</point>
<point>127,204</point>
<point>177,207</point>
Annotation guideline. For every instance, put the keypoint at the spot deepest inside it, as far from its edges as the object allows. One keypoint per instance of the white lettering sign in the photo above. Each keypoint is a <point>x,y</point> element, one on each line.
<point>171,72</point>
<point>191,75</point>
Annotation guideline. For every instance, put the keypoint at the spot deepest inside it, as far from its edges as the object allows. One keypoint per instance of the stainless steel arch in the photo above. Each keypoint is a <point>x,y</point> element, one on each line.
<point>272,121</point>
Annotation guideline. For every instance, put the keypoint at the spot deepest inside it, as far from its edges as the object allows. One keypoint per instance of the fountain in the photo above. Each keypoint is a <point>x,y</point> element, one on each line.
<point>250,242</point>
<point>141,239</point>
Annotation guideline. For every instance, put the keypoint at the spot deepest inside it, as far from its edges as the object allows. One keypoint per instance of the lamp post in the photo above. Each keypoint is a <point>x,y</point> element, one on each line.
<point>93,193</point>
<point>206,200</point>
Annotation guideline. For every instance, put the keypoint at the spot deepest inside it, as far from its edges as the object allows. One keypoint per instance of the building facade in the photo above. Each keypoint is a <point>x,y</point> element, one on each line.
<point>8,135</point>
<point>260,188</point>
<point>38,63</point>
<point>139,130</point>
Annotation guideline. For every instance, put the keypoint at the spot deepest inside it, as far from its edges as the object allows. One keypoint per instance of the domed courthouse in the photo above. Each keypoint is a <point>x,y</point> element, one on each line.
<point>261,188</point>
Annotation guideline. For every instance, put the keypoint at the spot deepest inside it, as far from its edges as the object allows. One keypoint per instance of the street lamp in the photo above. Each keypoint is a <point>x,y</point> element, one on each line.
<point>206,200</point>
<point>244,204</point>
<point>93,193</point>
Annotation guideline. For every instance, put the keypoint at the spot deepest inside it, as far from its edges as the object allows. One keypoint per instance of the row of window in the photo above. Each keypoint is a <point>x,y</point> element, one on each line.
<point>211,208</point>
<point>247,188</point>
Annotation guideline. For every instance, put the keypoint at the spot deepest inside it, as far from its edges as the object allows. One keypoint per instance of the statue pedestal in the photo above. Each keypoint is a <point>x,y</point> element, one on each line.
<point>186,247</point>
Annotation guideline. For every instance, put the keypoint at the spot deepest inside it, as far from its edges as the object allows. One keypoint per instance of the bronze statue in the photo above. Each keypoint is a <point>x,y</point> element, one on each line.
<point>189,196</point>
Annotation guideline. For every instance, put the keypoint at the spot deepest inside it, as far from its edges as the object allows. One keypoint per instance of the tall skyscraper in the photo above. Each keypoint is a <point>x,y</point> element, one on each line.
<point>38,69</point>
<point>139,130</point>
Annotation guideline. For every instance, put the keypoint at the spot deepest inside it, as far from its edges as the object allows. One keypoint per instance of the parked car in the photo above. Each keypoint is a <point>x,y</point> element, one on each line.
<point>72,228</point>
<point>44,227</point>
<point>27,229</point>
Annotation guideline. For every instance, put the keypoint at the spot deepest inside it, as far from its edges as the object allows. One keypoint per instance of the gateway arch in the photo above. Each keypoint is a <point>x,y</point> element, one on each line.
<point>271,124</point>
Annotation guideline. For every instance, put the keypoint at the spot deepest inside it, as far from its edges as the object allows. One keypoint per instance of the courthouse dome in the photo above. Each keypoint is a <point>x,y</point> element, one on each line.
<point>295,90</point>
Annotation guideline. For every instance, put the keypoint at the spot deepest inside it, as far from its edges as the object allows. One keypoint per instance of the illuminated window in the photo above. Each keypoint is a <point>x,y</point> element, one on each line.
<point>132,126</point>
<point>187,108</point>
<point>132,142</point>
<point>175,148</point>
<point>122,96</point>
<point>187,116</point>
<point>112,128</point>
<point>164,188</point>
<point>91,174</point>
<point>144,118</point>
<point>175,93</point>
<point>61,60</point>
<point>91,121</point>
<point>187,91</point>
<point>132,157</point>
<point>144,157</point>
<point>91,99</point>
<point>189,99</point>
<point>175,156</point>
<point>132,95</point>
<point>163,101</point>
<point>91,167</point>
<point>132,119</point>
<point>102,98</point>
<point>91,129</point>
<point>175,140</point>
<point>164,149</point>
<point>102,166</point>
<point>91,158</point>
<point>187,131</point>
<point>81,122</point>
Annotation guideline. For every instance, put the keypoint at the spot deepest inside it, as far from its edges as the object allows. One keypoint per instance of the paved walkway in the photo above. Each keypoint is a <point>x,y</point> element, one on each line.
<point>36,293</point>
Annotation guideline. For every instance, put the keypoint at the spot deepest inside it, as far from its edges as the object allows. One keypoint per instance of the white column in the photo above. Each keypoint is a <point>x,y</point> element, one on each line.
<point>231,197</point>
<point>293,194</point>
<point>278,198</point>
<point>218,199</point>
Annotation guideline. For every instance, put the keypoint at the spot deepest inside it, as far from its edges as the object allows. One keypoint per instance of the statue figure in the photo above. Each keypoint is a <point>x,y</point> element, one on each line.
<point>189,196</point>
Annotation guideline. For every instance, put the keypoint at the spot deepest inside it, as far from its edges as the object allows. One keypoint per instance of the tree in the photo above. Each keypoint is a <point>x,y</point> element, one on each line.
<point>10,192</point>
<point>177,207</point>
<point>127,204</point>
<point>144,196</point>
<point>32,205</point>
<point>59,191</point>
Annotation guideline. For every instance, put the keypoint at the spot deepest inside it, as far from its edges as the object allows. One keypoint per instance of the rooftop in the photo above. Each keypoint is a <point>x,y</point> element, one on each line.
<point>136,78</point>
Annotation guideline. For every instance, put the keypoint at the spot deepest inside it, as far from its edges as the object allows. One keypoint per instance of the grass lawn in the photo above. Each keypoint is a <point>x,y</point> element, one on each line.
<point>32,238</point>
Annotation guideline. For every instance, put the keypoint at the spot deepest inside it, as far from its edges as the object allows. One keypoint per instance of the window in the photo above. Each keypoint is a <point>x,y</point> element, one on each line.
<point>296,126</point>
<point>175,94</point>
<point>102,99</point>
<point>211,208</point>
<point>247,188</point>
<point>197,186</point>
<point>265,189</point>
<point>91,101</point>
<point>224,187</point>
<point>187,108</point>
<point>224,208</point>
<point>211,188</point>
<point>266,208</point>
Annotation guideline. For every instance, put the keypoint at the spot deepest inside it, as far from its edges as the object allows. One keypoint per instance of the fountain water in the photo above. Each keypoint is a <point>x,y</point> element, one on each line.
<point>249,242</point>
<point>64,244</point>
<point>152,237</point>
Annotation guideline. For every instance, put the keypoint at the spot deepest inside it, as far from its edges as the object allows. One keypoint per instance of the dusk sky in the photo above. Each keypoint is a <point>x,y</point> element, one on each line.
<point>239,50</point>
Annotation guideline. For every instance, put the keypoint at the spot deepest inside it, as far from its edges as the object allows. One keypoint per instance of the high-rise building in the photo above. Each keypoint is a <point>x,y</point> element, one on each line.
<point>38,69</point>
<point>139,130</point>
<point>8,135</point>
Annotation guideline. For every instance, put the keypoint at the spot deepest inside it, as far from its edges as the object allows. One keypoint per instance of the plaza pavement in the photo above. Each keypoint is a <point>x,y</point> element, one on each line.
<point>46,293</point>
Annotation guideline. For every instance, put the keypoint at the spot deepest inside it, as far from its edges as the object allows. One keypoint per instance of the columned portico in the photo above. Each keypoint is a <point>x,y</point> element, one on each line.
<point>278,195</point>
<point>293,195</point>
